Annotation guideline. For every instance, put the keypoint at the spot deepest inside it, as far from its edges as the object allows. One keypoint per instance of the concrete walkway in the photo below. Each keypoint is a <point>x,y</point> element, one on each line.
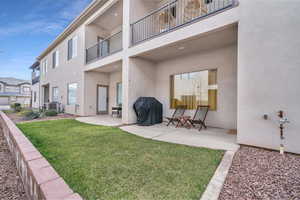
<point>103,120</point>
<point>213,138</point>
<point>4,107</point>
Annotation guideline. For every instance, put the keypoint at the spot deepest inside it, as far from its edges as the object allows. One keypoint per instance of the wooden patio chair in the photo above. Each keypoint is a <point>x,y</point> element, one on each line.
<point>179,112</point>
<point>199,117</point>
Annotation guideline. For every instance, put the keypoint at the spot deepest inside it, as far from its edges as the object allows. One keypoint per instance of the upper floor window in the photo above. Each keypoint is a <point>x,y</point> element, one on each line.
<point>44,66</point>
<point>55,59</point>
<point>0,88</point>
<point>26,89</point>
<point>194,88</point>
<point>72,47</point>
<point>13,89</point>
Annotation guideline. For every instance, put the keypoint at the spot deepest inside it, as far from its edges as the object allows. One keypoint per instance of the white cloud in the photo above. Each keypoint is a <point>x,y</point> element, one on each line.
<point>17,67</point>
<point>74,8</point>
<point>32,27</point>
<point>38,20</point>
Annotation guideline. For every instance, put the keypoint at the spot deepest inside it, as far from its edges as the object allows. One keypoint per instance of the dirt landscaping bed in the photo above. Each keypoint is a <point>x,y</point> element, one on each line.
<point>259,174</point>
<point>16,118</point>
<point>11,187</point>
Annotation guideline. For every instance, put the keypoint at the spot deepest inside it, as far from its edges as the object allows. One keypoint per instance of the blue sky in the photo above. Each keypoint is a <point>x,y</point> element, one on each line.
<point>27,27</point>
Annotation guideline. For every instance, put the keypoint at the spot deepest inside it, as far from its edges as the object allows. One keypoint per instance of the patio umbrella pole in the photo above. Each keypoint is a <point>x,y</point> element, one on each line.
<point>282,121</point>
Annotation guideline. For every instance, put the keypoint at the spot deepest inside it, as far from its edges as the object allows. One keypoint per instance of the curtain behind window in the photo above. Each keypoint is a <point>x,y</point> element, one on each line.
<point>193,89</point>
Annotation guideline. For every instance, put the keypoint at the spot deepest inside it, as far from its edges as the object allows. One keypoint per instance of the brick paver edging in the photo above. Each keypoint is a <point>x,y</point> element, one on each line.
<point>41,181</point>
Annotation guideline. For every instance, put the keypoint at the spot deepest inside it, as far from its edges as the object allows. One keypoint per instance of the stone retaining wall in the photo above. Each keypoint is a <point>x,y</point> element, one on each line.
<point>40,180</point>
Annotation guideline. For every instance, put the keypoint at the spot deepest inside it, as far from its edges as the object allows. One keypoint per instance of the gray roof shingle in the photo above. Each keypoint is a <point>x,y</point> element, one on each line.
<point>13,81</point>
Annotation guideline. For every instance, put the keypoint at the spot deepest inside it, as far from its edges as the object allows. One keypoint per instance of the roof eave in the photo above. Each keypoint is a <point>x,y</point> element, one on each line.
<point>73,25</point>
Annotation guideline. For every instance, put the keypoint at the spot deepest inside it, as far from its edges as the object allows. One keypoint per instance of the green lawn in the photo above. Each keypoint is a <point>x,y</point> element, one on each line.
<point>107,163</point>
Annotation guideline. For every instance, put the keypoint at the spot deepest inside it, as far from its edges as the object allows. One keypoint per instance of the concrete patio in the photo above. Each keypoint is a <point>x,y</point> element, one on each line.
<point>213,138</point>
<point>102,120</point>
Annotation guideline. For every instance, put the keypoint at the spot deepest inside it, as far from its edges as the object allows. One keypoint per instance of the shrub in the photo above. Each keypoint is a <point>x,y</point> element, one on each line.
<point>34,115</point>
<point>50,113</point>
<point>30,114</point>
<point>25,112</point>
<point>16,107</point>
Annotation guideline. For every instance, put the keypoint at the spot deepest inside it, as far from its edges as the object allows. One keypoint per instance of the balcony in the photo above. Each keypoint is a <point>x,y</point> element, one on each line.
<point>35,80</point>
<point>175,15</point>
<point>104,48</point>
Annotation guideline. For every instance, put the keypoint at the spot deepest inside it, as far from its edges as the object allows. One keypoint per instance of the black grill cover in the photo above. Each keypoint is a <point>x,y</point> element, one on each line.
<point>148,111</point>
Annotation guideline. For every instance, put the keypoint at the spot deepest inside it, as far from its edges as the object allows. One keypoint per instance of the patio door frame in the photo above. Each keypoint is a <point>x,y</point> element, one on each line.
<point>107,100</point>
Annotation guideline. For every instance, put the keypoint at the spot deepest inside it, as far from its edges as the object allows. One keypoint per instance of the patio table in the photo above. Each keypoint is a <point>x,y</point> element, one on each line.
<point>184,122</point>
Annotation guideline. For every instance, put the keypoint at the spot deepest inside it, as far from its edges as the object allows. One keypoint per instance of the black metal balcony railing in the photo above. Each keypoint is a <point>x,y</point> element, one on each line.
<point>104,48</point>
<point>174,15</point>
<point>35,80</point>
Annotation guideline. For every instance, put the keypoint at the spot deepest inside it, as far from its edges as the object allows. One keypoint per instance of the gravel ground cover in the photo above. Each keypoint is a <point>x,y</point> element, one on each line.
<point>11,187</point>
<point>259,174</point>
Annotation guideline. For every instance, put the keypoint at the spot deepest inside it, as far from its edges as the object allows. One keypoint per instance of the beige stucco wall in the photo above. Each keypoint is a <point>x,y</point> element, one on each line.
<point>268,72</point>
<point>138,80</point>
<point>68,71</point>
<point>92,32</point>
<point>91,80</point>
<point>140,8</point>
<point>225,61</point>
<point>114,78</point>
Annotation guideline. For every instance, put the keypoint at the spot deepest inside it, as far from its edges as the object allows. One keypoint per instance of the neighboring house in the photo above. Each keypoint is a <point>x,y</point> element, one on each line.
<point>14,90</point>
<point>239,57</point>
<point>35,85</point>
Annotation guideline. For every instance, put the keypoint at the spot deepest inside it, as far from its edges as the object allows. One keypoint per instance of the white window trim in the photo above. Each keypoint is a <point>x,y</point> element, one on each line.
<point>74,50</point>
<point>68,93</point>
<point>74,46</point>
<point>53,97</point>
<point>45,67</point>
<point>56,53</point>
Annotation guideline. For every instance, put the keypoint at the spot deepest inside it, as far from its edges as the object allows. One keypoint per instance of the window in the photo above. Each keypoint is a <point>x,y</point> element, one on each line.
<point>104,46</point>
<point>72,94</point>
<point>55,59</point>
<point>72,48</point>
<point>12,89</point>
<point>193,89</point>
<point>208,1</point>
<point>34,97</point>
<point>173,11</point>
<point>44,67</point>
<point>55,94</point>
<point>119,94</point>
<point>26,89</point>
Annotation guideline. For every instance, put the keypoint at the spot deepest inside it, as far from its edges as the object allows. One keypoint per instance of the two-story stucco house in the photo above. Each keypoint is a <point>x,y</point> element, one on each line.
<point>14,90</point>
<point>240,57</point>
